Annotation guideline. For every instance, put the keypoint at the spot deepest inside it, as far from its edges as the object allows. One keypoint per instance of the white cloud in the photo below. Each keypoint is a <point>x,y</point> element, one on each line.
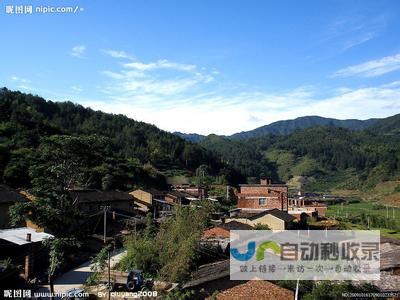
<point>159,64</point>
<point>19,79</point>
<point>224,112</point>
<point>184,97</point>
<point>358,40</point>
<point>78,51</point>
<point>372,68</point>
<point>349,31</point>
<point>153,80</point>
<point>22,83</point>
<point>76,88</point>
<point>118,54</point>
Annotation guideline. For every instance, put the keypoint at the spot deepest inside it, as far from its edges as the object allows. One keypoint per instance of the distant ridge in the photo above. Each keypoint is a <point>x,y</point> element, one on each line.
<point>191,137</point>
<point>288,126</point>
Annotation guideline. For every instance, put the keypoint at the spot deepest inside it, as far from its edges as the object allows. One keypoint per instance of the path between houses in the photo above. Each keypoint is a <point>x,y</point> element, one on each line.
<point>77,277</point>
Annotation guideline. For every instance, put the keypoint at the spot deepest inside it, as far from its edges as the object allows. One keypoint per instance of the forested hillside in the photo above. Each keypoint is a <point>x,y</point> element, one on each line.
<point>340,157</point>
<point>288,126</point>
<point>131,152</point>
<point>118,153</point>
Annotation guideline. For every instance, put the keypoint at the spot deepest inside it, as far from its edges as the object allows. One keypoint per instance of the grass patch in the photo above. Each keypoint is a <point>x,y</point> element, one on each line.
<point>349,211</point>
<point>369,208</point>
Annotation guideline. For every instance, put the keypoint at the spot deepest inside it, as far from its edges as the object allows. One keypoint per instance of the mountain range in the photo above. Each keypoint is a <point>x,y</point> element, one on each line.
<point>330,153</point>
<point>288,126</point>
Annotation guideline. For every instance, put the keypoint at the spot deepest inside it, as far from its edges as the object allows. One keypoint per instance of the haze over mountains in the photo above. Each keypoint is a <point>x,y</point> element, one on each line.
<point>288,126</point>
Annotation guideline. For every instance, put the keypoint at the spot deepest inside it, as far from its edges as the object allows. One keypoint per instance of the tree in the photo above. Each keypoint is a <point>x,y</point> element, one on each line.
<point>57,247</point>
<point>326,290</point>
<point>260,226</point>
<point>62,163</point>
<point>171,253</point>
<point>99,263</point>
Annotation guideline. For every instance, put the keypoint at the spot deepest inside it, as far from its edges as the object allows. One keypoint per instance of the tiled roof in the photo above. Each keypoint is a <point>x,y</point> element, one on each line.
<point>9,195</point>
<point>235,225</point>
<point>179,194</point>
<point>256,289</point>
<point>87,196</point>
<point>151,191</point>
<point>209,272</point>
<point>223,230</point>
<point>265,185</point>
<point>281,215</point>
<point>274,212</point>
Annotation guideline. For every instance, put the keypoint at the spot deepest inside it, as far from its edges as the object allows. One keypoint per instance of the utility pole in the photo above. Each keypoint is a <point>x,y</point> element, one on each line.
<point>393,211</point>
<point>105,209</point>
<point>387,212</point>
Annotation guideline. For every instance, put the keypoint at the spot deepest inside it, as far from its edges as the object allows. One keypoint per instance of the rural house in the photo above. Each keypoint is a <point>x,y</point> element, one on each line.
<point>8,197</point>
<point>263,196</point>
<point>196,192</point>
<point>223,230</point>
<point>146,198</point>
<point>219,236</point>
<point>211,281</point>
<point>303,205</point>
<point>90,200</point>
<point>152,200</point>
<point>275,219</point>
<point>24,246</point>
<point>175,197</point>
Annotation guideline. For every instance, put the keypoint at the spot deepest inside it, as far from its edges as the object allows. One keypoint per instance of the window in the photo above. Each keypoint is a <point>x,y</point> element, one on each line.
<point>262,201</point>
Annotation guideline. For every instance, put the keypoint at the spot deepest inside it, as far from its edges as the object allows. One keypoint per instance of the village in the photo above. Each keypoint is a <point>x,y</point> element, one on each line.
<point>111,216</point>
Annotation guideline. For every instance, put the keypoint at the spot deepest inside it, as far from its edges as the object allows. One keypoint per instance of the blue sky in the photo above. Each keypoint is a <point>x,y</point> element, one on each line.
<point>209,66</point>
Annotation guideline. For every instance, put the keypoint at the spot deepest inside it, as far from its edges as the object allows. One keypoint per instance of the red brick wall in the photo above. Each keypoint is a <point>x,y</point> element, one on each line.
<point>321,210</point>
<point>262,191</point>
<point>254,203</point>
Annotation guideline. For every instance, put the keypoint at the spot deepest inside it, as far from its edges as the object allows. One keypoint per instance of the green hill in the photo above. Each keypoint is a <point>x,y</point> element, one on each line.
<point>288,126</point>
<point>130,153</point>
<point>332,157</point>
<point>134,152</point>
<point>387,126</point>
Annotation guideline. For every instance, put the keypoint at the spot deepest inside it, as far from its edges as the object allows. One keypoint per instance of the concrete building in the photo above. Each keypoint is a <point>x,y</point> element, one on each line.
<point>300,206</point>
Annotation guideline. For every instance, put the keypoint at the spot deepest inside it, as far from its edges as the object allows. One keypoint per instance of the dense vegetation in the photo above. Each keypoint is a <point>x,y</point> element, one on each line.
<point>132,152</point>
<point>171,251</point>
<point>288,126</point>
<point>135,153</point>
<point>352,159</point>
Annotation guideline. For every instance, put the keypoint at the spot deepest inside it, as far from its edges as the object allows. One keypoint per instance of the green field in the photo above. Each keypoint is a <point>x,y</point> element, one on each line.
<point>369,208</point>
<point>347,210</point>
